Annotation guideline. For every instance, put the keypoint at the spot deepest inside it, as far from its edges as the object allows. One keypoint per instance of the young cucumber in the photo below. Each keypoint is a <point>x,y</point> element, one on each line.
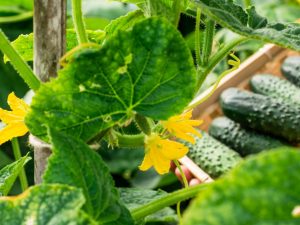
<point>262,113</point>
<point>212,156</point>
<point>269,85</point>
<point>243,141</point>
<point>290,68</point>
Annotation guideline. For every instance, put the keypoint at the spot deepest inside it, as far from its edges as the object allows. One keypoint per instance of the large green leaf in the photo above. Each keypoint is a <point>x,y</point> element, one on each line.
<point>45,205</point>
<point>148,70</point>
<point>134,198</point>
<point>24,43</point>
<point>263,190</point>
<point>250,24</point>
<point>9,174</point>
<point>75,164</point>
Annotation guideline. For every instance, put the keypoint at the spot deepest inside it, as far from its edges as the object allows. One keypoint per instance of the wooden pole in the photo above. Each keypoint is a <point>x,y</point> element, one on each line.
<point>49,46</point>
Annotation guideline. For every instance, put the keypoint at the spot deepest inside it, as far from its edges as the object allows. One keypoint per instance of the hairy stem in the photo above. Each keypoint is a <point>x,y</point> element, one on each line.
<point>216,58</point>
<point>208,41</point>
<point>17,154</point>
<point>166,201</point>
<point>186,185</point>
<point>78,21</point>
<point>198,38</point>
<point>18,63</point>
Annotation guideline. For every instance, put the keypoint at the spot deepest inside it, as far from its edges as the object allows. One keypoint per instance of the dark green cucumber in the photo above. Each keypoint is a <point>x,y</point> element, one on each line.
<point>212,156</point>
<point>262,113</point>
<point>290,68</point>
<point>276,87</point>
<point>242,140</point>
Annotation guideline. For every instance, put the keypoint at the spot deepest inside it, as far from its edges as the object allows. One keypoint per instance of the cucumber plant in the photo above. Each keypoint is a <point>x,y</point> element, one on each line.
<point>138,70</point>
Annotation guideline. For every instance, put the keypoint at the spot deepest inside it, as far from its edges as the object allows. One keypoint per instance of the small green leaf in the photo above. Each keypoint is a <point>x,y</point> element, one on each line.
<point>134,198</point>
<point>250,24</point>
<point>45,205</point>
<point>75,164</point>
<point>124,22</point>
<point>263,190</point>
<point>91,95</point>
<point>24,43</point>
<point>9,174</point>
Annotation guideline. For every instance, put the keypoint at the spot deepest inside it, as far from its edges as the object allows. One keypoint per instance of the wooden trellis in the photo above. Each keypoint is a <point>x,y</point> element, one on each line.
<point>49,47</point>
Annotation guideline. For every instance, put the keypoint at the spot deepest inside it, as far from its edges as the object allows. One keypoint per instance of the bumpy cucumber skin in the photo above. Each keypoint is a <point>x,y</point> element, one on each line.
<point>290,68</point>
<point>212,156</point>
<point>276,87</point>
<point>262,113</point>
<point>243,141</point>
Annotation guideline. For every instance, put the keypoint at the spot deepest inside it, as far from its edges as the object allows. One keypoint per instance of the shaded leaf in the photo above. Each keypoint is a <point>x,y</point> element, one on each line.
<point>134,198</point>
<point>263,190</point>
<point>24,43</point>
<point>9,174</point>
<point>250,24</point>
<point>138,71</point>
<point>45,205</point>
<point>75,164</point>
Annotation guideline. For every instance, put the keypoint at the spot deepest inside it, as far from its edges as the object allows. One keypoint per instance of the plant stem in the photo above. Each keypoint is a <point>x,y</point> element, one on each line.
<point>78,21</point>
<point>17,154</point>
<point>212,90</point>
<point>177,11</point>
<point>16,18</point>
<point>19,64</point>
<point>216,58</point>
<point>198,38</point>
<point>208,40</point>
<point>186,185</point>
<point>166,201</point>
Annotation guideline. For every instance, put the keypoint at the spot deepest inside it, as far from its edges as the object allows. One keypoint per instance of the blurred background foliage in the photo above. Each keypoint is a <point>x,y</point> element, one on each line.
<point>16,19</point>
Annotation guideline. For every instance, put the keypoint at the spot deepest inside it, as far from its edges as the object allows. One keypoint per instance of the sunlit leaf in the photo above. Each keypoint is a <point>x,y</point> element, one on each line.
<point>148,70</point>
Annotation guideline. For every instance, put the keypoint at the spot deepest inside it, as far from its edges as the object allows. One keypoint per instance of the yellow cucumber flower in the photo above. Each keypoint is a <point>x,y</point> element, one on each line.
<point>160,152</point>
<point>182,126</point>
<point>14,119</point>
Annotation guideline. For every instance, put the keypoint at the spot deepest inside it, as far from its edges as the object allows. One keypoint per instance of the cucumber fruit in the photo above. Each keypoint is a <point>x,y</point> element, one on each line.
<point>276,87</point>
<point>262,113</point>
<point>212,156</point>
<point>290,68</point>
<point>243,141</point>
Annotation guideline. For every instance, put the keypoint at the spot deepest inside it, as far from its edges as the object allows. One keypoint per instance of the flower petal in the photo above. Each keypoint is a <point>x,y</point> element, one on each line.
<point>147,163</point>
<point>9,117</point>
<point>161,164</point>
<point>174,150</point>
<point>16,104</point>
<point>11,131</point>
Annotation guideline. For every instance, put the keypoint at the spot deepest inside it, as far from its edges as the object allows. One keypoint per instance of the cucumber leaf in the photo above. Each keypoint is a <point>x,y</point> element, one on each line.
<point>148,70</point>
<point>75,164</point>
<point>9,174</point>
<point>135,197</point>
<point>24,43</point>
<point>45,205</point>
<point>248,23</point>
<point>263,190</point>
<point>124,22</point>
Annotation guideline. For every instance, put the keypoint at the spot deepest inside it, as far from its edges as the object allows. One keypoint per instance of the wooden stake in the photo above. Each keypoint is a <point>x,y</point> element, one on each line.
<point>49,47</point>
